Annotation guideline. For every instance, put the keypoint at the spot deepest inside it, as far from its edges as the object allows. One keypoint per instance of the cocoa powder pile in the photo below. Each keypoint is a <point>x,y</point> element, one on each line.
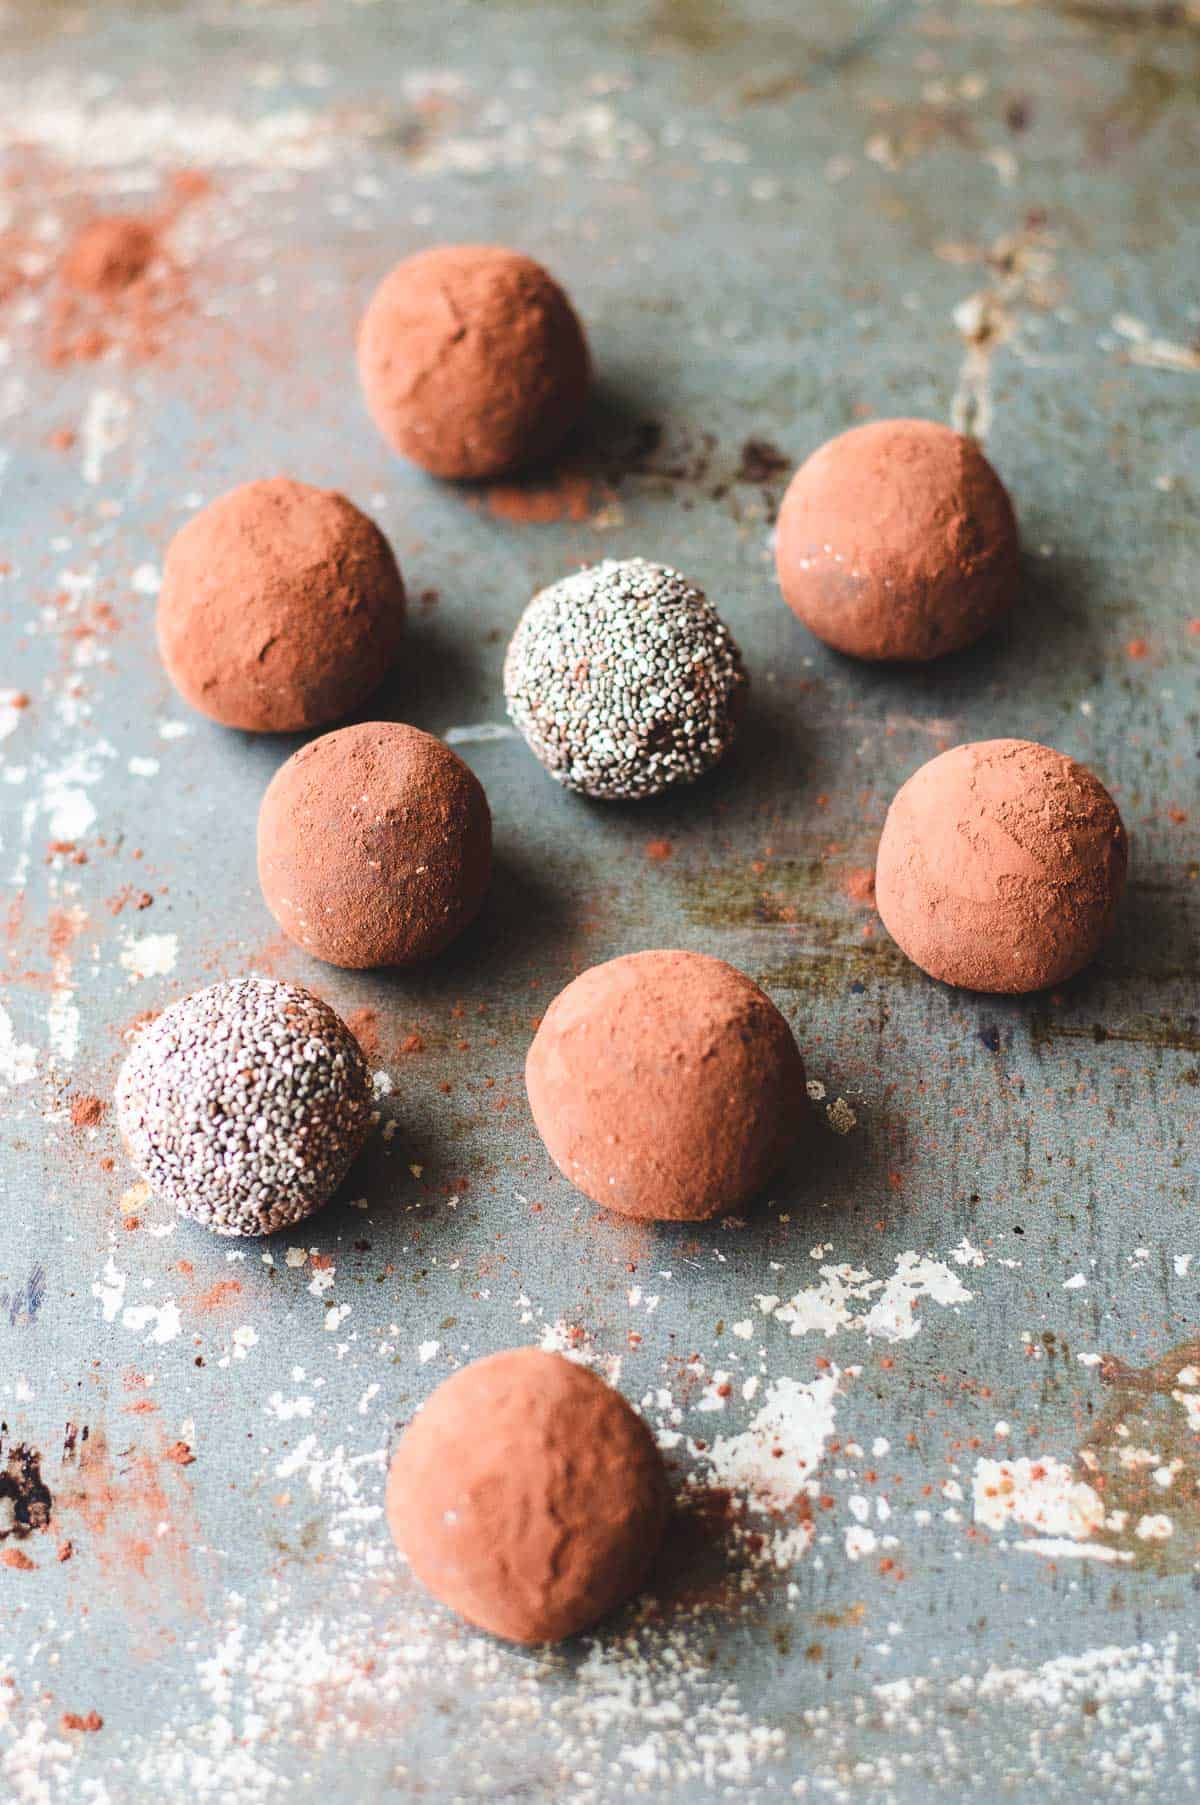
<point>897,541</point>
<point>111,253</point>
<point>472,360</point>
<point>1000,866</point>
<point>666,1085</point>
<point>281,607</point>
<point>374,845</point>
<point>528,1496</point>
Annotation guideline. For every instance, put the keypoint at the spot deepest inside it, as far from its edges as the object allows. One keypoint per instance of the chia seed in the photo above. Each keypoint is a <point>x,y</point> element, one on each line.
<point>245,1104</point>
<point>624,680</point>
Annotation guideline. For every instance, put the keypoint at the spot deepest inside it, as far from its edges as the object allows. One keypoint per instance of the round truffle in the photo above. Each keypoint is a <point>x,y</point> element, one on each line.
<point>528,1496</point>
<point>374,845</point>
<point>666,1085</point>
<point>897,541</point>
<point>1000,866</point>
<point>245,1104</point>
<point>281,607</point>
<point>472,361</point>
<point>624,680</point>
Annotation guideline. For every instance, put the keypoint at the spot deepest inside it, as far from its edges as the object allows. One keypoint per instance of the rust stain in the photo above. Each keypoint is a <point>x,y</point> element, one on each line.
<point>1143,1458</point>
<point>25,1501</point>
<point>1142,1031</point>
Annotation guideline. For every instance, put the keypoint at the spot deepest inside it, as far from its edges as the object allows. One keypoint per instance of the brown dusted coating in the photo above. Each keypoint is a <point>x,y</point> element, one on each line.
<point>281,607</point>
<point>666,1085</point>
<point>528,1496</point>
<point>897,541</point>
<point>472,360</point>
<point>374,845</point>
<point>1000,866</point>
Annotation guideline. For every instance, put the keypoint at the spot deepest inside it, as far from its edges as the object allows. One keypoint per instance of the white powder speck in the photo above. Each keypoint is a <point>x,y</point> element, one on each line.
<point>860,1541</point>
<point>775,1458</point>
<point>18,1060</point>
<point>1041,1494</point>
<point>11,715</point>
<point>110,1290</point>
<point>104,427</point>
<point>162,1320</point>
<point>149,955</point>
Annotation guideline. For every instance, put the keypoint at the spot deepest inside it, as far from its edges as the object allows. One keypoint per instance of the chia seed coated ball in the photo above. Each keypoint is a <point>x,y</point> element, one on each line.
<point>472,361</point>
<point>281,607</point>
<point>245,1105</point>
<point>666,1085</point>
<point>624,680</point>
<point>1000,866</point>
<point>374,845</point>
<point>897,541</point>
<point>528,1496</point>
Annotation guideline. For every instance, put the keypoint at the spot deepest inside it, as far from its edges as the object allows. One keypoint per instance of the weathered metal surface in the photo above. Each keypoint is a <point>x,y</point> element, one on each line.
<point>775,221</point>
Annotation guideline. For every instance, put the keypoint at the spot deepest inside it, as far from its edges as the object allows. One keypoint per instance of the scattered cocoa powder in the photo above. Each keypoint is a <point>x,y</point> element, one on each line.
<point>364,1025</point>
<point>110,254</point>
<point>859,884</point>
<point>90,1721</point>
<point>87,1111</point>
<point>569,497</point>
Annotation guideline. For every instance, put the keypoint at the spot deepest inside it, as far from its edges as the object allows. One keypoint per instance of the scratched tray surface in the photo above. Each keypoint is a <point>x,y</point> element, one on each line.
<point>933,1409</point>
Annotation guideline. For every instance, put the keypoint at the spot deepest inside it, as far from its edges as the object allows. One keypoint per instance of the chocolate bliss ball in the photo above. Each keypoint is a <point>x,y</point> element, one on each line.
<point>1000,866</point>
<point>666,1085</point>
<point>472,361</point>
<point>624,680</point>
<point>281,607</point>
<point>244,1105</point>
<point>528,1496</point>
<point>374,845</point>
<point>897,541</point>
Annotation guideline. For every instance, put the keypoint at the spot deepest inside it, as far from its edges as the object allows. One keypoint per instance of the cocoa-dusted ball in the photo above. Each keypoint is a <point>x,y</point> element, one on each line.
<point>666,1085</point>
<point>374,845</point>
<point>528,1496</point>
<point>472,360</point>
<point>281,607</point>
<point>1000,866</point>
<point>244,1105</point>
<point>897,541</point>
